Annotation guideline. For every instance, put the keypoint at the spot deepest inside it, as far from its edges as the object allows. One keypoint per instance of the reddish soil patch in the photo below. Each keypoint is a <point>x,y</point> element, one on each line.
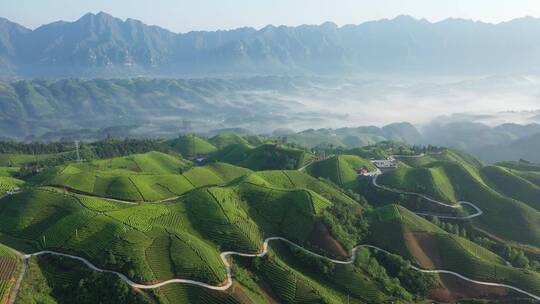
<point>423,246</point>
<point>239,294</point>
<point>322,238</point>
<point>456,289</point>
<point>7,267</point>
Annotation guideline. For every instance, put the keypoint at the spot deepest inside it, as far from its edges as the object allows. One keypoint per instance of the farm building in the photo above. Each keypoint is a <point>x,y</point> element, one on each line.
<point>385,163</point>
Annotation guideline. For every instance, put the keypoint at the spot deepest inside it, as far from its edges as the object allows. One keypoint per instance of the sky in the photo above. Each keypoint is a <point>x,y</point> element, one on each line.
<point>188,15</point>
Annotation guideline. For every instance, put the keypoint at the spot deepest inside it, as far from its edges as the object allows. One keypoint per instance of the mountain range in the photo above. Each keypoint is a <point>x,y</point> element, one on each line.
<point>102,45</point>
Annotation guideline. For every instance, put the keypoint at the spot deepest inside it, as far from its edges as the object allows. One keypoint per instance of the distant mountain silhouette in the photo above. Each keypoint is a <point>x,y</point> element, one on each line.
<point>102,45</point>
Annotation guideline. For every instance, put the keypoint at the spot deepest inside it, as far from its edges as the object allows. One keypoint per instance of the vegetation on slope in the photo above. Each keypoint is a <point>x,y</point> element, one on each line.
<point>512,185</point>
<point>222,206</point>
<point>51,279</point>
<point>9,262</point>
<point>161,241</point>
<point>468,185</point>
<point>264,157</point>
<point>340,169</point>
<point>191,145</point>
<point>147,177</point>
<point>223,140</point>
<point>521,165</point>
<point>150,162</point>
<point>430,246</point>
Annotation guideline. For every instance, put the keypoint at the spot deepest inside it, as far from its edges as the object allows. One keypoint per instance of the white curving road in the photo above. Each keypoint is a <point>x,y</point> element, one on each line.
<point>224,257</point>
<point>478,211</point>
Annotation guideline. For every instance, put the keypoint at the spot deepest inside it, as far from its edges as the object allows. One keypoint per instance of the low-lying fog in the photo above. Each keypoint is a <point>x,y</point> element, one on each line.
<point>349,102</point>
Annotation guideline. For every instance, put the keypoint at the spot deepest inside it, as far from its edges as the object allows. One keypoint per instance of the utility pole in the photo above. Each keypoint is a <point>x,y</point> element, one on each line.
<point>44,242</point>
<point>77,148</point>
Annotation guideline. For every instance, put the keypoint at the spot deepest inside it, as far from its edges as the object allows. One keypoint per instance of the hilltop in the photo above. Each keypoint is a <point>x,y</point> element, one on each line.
<point>191,145</point>
<point>264,157</point>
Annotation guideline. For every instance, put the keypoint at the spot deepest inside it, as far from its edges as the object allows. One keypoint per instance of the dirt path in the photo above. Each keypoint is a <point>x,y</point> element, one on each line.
<point>15,290</point>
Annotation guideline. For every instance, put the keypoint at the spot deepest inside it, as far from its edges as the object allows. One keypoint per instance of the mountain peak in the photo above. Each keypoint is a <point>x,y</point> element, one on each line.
<point>98,16</point>
<point>329,25</point>
<point>8,23</point>
<point>404,18</point>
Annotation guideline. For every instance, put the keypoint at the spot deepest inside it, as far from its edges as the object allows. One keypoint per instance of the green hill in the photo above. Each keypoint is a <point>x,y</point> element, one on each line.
<point>512,185</point>
<point>154,242</point>
<point>191,145</point>
<point>156,216</point>
<point>16,160</point>
<point>293,179</point>
<point>400,231</point>
<point>133,186</point>
<point>340,169</point>
<point>431,180</point>
<point>521,165</point>
<point>454,180</point>
<point>151,162</point>
<point>223,140</point>
<point>355,137</point>
<point>527,170</point>
<point>263,157</point>
<point>233,154</point>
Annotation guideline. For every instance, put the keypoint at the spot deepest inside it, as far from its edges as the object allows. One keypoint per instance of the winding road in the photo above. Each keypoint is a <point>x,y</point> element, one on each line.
<point>477,210</point>
<point>225,255</point>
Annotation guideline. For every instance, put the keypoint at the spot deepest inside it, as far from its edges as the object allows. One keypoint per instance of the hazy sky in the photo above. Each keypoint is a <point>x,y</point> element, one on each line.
<point>186,15</point>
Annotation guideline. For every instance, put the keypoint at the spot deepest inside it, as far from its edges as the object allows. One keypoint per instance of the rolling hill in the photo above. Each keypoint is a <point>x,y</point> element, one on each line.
<point>513,185</point>
<point>154,217</point>
<point>191,145</point>
<point>155,242</point>
<point>138,186</point>
<point>454,179</point>
<point>433,248</point>
<point>223,140</point>
<point>340,169</point>
<point>263,157</point>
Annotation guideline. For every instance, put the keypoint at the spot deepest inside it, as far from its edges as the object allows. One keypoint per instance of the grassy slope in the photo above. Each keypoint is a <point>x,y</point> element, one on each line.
<point>9,262</point>
<point>520,165</point>
<point>191,145</point>
<point>533,177</point>
<point>223,140</point>
<point>465,182</point>
<point>151,162</point>
<point>161,241</point>
<point>51,279</point>
<point>455,253</point>
<point>512,185</point>
<point>121,183</point>
<point>15,160</point>
<point>9,184</point>
<point>340,169</point>
<point>428,180</point>
<point>288,179</point>
<point>263,157</point>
